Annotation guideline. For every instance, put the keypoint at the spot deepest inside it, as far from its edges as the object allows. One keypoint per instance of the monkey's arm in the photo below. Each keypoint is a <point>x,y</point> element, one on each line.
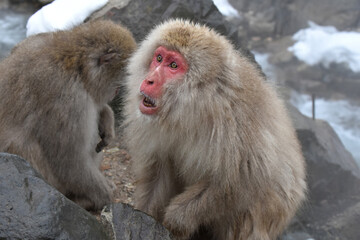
<point>106,127</point>
<point>187,211</point>
<point>150,195</point>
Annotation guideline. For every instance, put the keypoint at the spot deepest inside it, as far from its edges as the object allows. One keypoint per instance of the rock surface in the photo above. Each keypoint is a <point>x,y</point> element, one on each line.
<point>332,210</point>
<point>130,224</point>
<point>32,209</point>
<point>140,16</point>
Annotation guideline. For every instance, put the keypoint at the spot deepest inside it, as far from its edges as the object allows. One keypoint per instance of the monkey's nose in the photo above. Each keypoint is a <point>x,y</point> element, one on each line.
<point>149,81</point>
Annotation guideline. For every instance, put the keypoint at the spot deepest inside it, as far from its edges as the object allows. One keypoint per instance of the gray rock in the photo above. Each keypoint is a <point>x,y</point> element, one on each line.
<point>45,1</point>
<point>342,14</point>
<point>140,16</point>
<point>130,224</point>
<point>326,145</point>
<point>4,4</point>
<point>22,6</point>
<point>32,209</point>
<point>284,17</point>
<point>333,207</point>
<point>118,4</point>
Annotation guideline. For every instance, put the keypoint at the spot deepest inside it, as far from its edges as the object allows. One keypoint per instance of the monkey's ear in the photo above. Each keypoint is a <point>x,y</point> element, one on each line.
<point>107,57</point>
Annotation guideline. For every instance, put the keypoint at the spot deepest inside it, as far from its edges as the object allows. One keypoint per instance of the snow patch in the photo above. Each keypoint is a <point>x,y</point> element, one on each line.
<point>226,8</point>
<point>325,45</point>
<point>62,15</point>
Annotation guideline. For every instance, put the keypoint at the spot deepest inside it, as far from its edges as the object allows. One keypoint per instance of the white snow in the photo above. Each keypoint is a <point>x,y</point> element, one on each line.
<point>263,60</point>
<point>62,15</point>
<point>341,115</point>
<point>226,8</point>
<point>319,44</point>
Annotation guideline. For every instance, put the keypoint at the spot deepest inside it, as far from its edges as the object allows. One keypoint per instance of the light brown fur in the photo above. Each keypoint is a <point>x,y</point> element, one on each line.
<point>54,89</point>
<point>221,153</point>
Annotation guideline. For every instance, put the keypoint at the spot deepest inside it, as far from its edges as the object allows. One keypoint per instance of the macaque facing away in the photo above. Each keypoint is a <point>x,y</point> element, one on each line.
<point>54,90</point>
<point>212,146</point>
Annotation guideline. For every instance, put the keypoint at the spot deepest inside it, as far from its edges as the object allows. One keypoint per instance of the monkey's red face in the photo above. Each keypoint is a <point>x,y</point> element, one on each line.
<point>166,66</point>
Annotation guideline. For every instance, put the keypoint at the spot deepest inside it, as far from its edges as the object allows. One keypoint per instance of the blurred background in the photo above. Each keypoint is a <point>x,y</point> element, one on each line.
<point>309,49</point>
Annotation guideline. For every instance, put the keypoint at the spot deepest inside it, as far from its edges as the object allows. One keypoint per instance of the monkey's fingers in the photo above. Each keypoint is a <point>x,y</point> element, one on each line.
<point>100,146</point>
<point>102,134</point>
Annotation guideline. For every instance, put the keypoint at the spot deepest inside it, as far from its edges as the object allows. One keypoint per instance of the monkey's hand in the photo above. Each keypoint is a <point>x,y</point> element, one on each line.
<point>190,209</point>
<point>106,127</point>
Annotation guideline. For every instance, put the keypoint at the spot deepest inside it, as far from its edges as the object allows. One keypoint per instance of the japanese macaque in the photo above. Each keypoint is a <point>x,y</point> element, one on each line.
<point>54,90</point>
<point>212,146</point>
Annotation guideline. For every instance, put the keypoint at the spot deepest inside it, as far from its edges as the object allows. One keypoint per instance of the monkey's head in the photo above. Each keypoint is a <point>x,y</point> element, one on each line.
<point>177,64</point>
<point>96,53</point>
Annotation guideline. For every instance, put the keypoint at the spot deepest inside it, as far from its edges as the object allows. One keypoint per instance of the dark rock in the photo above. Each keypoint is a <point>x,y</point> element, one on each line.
<point>22,6</point>
<point>131,224</point>
<point>333,207</point>
<point>342,14</point>
<point>140,16</point>
<point>45,1</point>
<point>32,209</point>
<point>4,4</point>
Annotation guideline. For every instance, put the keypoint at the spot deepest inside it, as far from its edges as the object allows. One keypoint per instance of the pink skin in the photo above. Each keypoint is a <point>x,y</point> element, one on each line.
<point>166,66</point>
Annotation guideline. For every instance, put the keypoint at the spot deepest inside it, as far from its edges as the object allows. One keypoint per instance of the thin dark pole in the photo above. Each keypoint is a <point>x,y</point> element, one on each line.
<point>313,106</point>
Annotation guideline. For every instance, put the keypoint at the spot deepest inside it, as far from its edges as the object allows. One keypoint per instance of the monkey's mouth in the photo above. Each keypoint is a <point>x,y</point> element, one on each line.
<point>148,104</point>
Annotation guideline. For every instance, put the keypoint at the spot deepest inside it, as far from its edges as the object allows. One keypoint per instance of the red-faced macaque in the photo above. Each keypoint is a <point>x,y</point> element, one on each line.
<point>212,146</point>
<point>54,90</point>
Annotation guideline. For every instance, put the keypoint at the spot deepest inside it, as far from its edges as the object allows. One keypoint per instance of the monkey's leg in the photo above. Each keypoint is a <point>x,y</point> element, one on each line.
<point>106,127</point>
<point>92,190</point>
<point>192,208</point>
<point>154,188</point>
<point>83,182</point>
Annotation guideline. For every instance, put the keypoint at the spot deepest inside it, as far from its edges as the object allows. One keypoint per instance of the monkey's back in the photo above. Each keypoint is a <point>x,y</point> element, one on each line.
<point>39,98</point>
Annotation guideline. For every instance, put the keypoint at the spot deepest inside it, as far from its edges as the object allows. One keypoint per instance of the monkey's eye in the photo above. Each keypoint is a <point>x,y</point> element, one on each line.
<point>173,65</point>
<point>159,58</point>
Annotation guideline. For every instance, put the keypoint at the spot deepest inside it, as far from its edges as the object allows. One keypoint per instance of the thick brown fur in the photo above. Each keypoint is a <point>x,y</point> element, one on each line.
<point>221,153</point>
<point>54,89</point>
